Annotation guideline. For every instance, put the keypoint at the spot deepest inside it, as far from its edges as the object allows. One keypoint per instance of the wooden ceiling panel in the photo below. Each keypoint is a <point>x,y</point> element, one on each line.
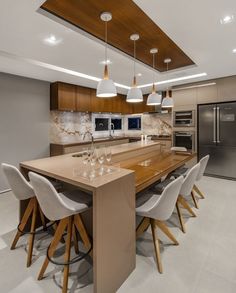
<point>127,19</point>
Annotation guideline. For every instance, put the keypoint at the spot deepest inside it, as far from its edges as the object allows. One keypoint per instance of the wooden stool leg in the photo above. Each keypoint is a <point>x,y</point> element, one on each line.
<point>165,230</point>
<point>195,188</point>
<point>194,200</point>
<point>67,255</point>
<point>181,220</point>
<point>75,240</point>
<point>184,203</point>
<point>82,230</point>
<point>42,217</point>
<point>157,246</point>
<point>57,237</point>
<point>23,222</point>
<point>142,226</point>
<point>31,236</point>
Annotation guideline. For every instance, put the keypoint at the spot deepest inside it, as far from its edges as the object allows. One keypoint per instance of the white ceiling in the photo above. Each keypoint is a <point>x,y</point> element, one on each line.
<point>193,25</point>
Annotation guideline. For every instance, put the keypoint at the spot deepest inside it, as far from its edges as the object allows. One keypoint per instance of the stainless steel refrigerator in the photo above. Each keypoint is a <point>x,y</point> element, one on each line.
<point>217,137</point>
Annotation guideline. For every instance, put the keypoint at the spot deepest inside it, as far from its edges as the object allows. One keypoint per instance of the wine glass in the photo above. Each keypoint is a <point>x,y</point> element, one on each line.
<point>108,157</point>
<point>85,158</point>
<point>93,160</point>
<point>101,158</point>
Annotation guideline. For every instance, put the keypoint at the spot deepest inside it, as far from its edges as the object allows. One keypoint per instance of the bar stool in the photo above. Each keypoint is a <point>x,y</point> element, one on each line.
<point>65,208</point>
<point>22,190</point>
<point>203,163</point>
<point>186,191</point>
<point>157,208</point>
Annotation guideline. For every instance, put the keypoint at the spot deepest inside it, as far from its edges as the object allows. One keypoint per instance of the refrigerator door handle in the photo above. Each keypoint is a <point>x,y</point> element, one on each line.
<point>218,124</point>
<point>214,125</point>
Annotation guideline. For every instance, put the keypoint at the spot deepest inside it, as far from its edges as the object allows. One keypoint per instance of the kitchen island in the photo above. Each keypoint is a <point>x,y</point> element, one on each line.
<point>135,166</point>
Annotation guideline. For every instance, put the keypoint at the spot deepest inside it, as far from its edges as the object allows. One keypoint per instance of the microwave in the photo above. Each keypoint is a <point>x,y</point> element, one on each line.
<point>184,118</point>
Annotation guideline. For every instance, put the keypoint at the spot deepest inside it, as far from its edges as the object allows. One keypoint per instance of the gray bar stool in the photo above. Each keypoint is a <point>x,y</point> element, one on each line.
<point>157,208</point>
<point>203,163</point>
<point>23,191</point>
<point>65,208</point>
<point>186,191</point>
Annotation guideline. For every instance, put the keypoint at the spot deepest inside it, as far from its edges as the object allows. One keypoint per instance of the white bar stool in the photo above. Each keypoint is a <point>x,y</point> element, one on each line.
<point>22,190</point>
<point>186,191</point>
<point>157,209</point>
<point>65,208</point>
<point>203,163</point>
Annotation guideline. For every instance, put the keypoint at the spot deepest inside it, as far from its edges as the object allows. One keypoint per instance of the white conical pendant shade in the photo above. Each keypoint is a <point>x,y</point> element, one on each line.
<point>167,102</point>
<point>154,99</point>
<point>106,89</point>
<point>134,95</point>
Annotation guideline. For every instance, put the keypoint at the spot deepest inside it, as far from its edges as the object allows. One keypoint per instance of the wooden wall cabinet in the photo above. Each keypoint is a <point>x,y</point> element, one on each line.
<point>63,96</point>
<point>142,107</point>
<point>83,99</point>
<point>69,97</point>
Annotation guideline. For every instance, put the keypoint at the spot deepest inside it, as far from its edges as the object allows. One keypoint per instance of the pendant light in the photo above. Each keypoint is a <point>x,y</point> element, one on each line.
<point>154,98</point>
<point>135,94</point>
<point>167,101</point>
<point>106,87</point>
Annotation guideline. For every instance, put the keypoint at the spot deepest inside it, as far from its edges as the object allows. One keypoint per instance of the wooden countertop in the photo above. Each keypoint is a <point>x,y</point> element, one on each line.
<point>65,167</point>
<point>68,144</point>
<point>142,158</point>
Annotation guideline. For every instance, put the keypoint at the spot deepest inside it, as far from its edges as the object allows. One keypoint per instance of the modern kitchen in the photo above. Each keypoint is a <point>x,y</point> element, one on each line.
<point>118,146</point>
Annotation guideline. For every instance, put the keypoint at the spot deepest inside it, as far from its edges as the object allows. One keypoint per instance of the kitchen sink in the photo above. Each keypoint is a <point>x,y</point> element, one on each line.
<point>103,138</point>
<point>78,155</point>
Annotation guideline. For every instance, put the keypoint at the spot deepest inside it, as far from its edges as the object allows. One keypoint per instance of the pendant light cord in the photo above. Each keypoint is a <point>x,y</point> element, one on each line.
<point>134,80</point>
<point>134,58</point>
<point>106,42</point>
<point>167,68</point>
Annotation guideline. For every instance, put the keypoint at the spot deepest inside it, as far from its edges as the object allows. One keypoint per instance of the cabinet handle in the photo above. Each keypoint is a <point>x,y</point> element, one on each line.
<point>214,124</point>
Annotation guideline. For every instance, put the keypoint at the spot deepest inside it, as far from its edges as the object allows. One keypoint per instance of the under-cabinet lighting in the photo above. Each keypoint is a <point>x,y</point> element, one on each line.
<point>194,86</point>
<point>86,76</point>
<point>175,79</point>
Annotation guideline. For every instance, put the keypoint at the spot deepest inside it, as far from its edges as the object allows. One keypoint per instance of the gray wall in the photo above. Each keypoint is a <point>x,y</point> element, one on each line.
<point>24,120</point>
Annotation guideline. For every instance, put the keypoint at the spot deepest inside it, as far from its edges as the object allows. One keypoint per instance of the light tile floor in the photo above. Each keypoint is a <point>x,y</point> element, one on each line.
<point>204,262</point>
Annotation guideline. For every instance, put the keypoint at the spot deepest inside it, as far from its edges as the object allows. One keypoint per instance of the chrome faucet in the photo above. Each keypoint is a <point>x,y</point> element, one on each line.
<point>112,128</point>
<point>88,133</point>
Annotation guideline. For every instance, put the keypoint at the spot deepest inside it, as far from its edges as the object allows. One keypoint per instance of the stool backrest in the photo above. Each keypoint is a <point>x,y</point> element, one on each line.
<point>163,208</point>
<point>190,180</point>
<point>48,198</point>
<point>17,182</point>
<point>178,149</point>
<point>203,163</point>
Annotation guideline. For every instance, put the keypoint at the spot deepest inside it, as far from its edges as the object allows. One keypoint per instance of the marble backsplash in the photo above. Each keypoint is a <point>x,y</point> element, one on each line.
<point>71,126</point>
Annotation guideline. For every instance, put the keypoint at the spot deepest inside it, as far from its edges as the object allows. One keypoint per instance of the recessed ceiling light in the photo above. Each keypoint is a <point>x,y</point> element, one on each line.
<point>234,50</point>
<point>104,62</point>
<point>139,74</point>
<point>227,19</point>
<point>52,40</point>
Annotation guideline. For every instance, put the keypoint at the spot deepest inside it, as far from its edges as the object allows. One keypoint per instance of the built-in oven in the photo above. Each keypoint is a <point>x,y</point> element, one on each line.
<point>184,118</point>
<point>184,139</point>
